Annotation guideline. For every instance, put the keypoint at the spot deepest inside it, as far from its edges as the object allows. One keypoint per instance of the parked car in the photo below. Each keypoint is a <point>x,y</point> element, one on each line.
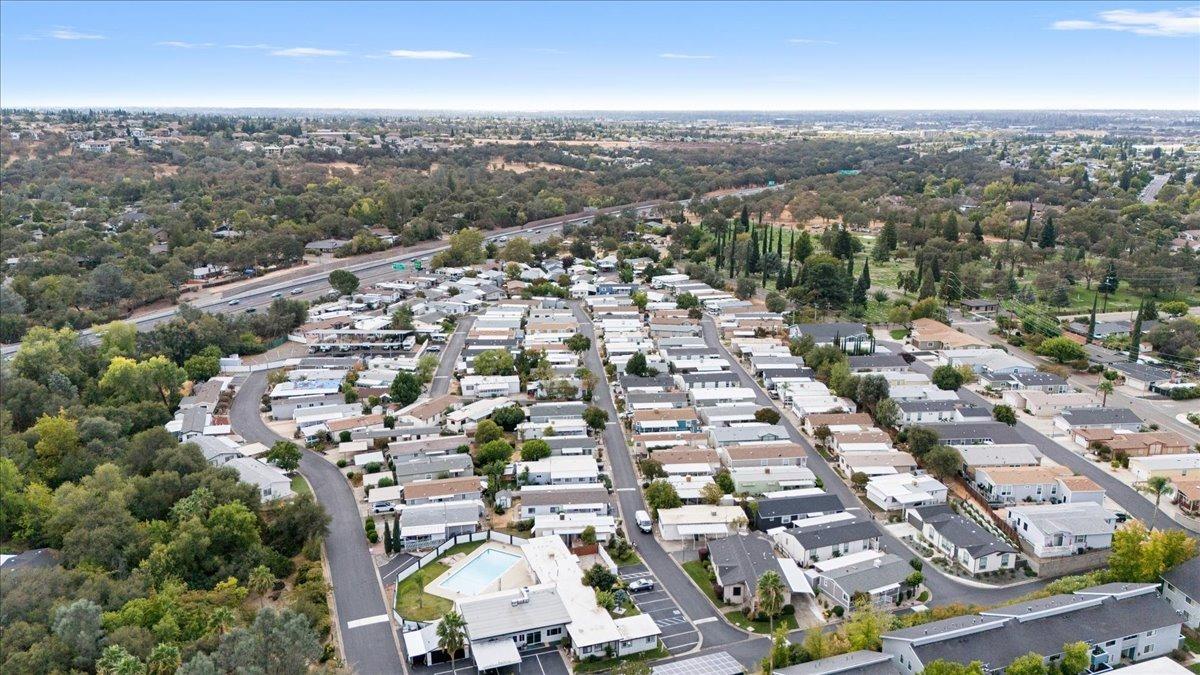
<point>639,585</point>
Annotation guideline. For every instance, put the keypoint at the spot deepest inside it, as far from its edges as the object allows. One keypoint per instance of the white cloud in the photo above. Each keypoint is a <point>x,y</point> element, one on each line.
<point>68,33</point>
<point>258,46</point>
<point>674,55</point>
<point>427,55</point>
<point>810,41</point>
<point>299,52</point>
<point>184,45</point>
<point>1163,23</point>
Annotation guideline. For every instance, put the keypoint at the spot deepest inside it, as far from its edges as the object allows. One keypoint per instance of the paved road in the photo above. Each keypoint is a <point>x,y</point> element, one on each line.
<point>371,647</point>
<point>695,606</point>
<point>943,589</point>
<point>1132,501</point>
<point>449,356</point>
<point>1156,184</point>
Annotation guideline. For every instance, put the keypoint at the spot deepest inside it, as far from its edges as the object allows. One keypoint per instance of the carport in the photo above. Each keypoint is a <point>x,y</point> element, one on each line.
<point>495,654</point>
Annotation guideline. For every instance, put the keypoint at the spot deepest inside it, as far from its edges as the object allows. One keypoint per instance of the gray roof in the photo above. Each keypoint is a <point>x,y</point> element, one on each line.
<point>930,406</point>
<point>1186,577</point>
<point>1142,371</point>
<point>584,495</point>
<point>568,409</point>
<point>743,558</point>
<point>824,332</point>
<point>861,662</point>
<point>963,532</point>
<point>867,576</point>
<point>496,614</point>
<point>1100,416</point>
<point>833,534</point>
<point>439,512</point>
<point>660,380</point>
<point>1009,637</point>
<point>784,373</point>
<point>194,420</point>
<point>1038,379</point>
<point>435,464</point>
<point>996,432</point>
<point>657,397</point>
<point>747,434</point>
<point>560,442</point>
<point>877,361</point>
<point>773,507</point>
<point>722,376</point>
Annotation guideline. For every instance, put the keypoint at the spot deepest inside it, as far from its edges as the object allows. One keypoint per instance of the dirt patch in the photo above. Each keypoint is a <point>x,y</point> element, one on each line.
<point>342,166</point>
<point>499,164</point>
<point>165,170</point>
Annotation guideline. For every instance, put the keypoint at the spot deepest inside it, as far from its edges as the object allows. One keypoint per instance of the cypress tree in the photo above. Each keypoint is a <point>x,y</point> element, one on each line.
<point>927,289</point>
<point>1048,233</point>
<point>888,235</point>
<point>720,252</point>
<point>1091,334</point>
<point>866,272</point>
<point>950,229</point>
<point>1028,225</point>
<point>752,254</point>
<point>387,537</point>
<point>977,231</point>
<point>397,544</point>
<point>1135,337</point>
<point>733,252</point>
<point>745,218</point>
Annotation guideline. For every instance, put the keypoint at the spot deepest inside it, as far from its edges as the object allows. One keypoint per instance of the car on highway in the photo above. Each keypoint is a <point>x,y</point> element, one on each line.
<point>234,303</point>
<point>297,291</point>
<point>640,585</point>
<point>277,294</point>
<point>251,310</point>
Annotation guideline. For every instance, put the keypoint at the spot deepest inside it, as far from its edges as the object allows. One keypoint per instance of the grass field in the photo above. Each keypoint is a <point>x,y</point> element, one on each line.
<point>412,602</point>
<point>699,574</point>
<point>300,486</point>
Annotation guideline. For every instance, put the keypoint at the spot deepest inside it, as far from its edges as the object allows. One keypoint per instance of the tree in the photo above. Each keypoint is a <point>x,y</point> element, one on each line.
<point>285,455</point>
<point>202,367</point>
<point>426,367</point>
<point>595,417</point>
<point>579,343</point>
<point>640,300</point>
<point>487,431</point>
<point>1105,387</point>
<point>859,480</point>
<point>662,495</point>
<point>776,302</point>
<point>79,626</point>
<point>1062,349</point>
<point>769,597</point>
<point>405,389</point>
<point>921,440</point>
<point>745,288</point>
<point>164,659</point>
<point>1175,308</point>
<point>887,413</point>
<point>767,415</point>
<point>1139,555</point>
<point>942,461</point>
<point>1157,486</point>
<point>1004,413</point>
<point>260,583</point>
<point>947,378</point>
<point>1135,336</point>
<point>1049,234</point>
<point>943,667</point>
<point>599,577</point>
<point>494,451</point>
<point>343,282</point>
<point>1029,664</point>
<point>871,390</point>
<point>866,626</point>
<point>116,660</point>
<point>711,493</point>
<point>402,318</point>
<point>687,300</point>
<point>493,362</point>
<point>509,417</point>
<point>637,366</point>
<point>534,449</point>
<point>1076,659</point>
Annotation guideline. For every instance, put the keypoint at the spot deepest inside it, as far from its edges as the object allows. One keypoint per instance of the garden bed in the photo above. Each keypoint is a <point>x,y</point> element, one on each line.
<point>739,619</point>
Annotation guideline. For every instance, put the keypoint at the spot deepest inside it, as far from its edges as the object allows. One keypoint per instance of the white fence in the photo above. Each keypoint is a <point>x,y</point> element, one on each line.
<point>270,365</point>
<point>436,553</point>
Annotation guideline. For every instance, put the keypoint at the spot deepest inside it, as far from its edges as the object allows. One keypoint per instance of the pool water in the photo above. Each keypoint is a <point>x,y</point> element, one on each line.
<point>479,572</point>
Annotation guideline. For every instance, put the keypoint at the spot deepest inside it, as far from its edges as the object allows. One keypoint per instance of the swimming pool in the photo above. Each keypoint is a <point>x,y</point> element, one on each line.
<point>479,572</point>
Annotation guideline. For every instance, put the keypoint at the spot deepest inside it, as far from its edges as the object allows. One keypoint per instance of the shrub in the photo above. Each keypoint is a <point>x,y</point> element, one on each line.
<point>838,611</point>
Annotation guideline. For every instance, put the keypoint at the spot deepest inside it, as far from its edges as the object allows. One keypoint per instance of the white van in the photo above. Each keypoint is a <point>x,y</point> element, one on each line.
<point>643,521</point>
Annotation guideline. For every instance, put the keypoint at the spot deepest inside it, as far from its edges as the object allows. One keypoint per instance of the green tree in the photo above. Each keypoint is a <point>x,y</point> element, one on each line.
<point>1004,413</point>
<point>588,535</point>
<point>579,343</point>
<point>859,480</point>
<point>277,642</point>
<point>426,367</point>
<point>638,367</point>
<point>1061,349</point>
<point>745,288</point>
<point>942,667</point>
<point>1156,486</point>
<point>942,461</point>
<point>1029,664</point>
<point>1135,336</point>
<point>493,362</point>
<point>1076,659</point>
<point>452,635</point>
<point>887,413</point>
<point>202,367</point>
<point>776,302</point>
<point>1049,234</point>
<point>866,626</point>
<point>79,627</point>
<point>509,417</point>
<point>767,415</point>
<point>487,431</point>
<point>769,597</point>
<point>405,389</point>
<point>687,300</point>
<point>534,449</point>
<point>1105,387</point>
<point>662,495</point>
<point>921,440</point>
<point>494,451</point>
<point>343,282</point>
<point>285,455</point>
<point>116,660</point>
<point>595,417</point>
<point>164,659</point>
<point>711,493</point>
<point>947,378</point>
<point>260,583</point>
<point>402,318</point>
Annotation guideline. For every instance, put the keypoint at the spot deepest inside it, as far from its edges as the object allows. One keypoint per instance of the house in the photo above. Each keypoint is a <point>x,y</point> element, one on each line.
<point>690,381</point>
<point>700,522</point>
<point>1141,376</point>
<point>431,411</point>
<point>490,386</point>
<point>860,662</point>
<point>463,488</point>
<point>811,544</point>
<point>571,445</point>
<point>868,364</point>
<point>962,540</point>
<point>1098,616</point>
<point>272,483</point>
<point>217,450</point>
<point>851,337</point>
<point>499,624</point>
<point>1047,406</point>
<point>687,461</point>
<point>544,413</point>
<point>1028,381</point>
<point>738,561</point>
<point>981,306</point>
<point>428,467</point>
<point>665,419</point>
<point>1002,485</point>
<point>1073,419</point>
<point>772,512</point>
<point>645,385</point>
<point>570,526</point>
<point>559,470</point>
<point>1005,454</point>
<point>975,433</point>
<point>1055,530</point>
<point>935,335</point>
<point>1143,444</point>
<point>1173,467</point>
<point>1075,489</point>
<point>757,480</point>
<point>640,401</point>
<point>880,576</point>
<point>876,463</point>
<point>837,422</point>
<point>747,433</point>
<point>1187,495</point>
<point>905,490</point>
<point>469,416</point>
<point>1181,588</point>
<point>749,455</point>
<point>930,412</point>
<point>430,524</point>
<point>544,500</point>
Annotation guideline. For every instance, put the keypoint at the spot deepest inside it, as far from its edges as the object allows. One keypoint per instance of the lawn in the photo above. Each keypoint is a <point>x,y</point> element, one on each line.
<point>1195,667</point>
<point>698,571</point>
<point>659,652</point>
<point>739,619</point>
<point>898,334</point>
<point>630,558</point>
<point>300,486</point>
<point>412,602</point>
<point>1192,644</point>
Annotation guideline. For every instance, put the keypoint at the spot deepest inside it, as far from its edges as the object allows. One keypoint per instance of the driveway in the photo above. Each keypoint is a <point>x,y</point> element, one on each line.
<point>943,589</point>
<point>679,636</point>
<point>364,620</point>
<point>449,356</point>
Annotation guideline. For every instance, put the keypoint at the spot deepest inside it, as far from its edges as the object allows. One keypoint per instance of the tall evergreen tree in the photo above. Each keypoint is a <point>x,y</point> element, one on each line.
<point>387,537</point>
<point>977,231</point>
<point>1135,336</point>
<point>1048,233</point>
<point>1028,225</point>
<point>888,235</point>
<point>745,217</point>
<point>863,285</point>
<point>733,251</point>
<point>804,247</point>
<point>927,288</point>
<point>866,273</point>
<point>950,229</point>
<point>752,254</point>
<point>1091,334</point>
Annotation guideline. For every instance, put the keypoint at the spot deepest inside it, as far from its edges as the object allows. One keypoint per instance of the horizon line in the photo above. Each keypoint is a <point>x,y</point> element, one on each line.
<point>470,110</point>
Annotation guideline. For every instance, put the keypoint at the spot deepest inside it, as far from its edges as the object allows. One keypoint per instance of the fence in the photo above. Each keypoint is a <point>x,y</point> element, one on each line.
<point>437,552</point>
<point>270,365</point>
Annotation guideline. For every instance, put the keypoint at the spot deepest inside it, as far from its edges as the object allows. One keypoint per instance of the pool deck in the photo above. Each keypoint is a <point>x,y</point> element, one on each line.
<point>515,577</point>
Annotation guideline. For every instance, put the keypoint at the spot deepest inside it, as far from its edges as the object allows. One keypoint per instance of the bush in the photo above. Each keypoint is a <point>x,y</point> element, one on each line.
<point>838,611</point>
<point>342,463</point>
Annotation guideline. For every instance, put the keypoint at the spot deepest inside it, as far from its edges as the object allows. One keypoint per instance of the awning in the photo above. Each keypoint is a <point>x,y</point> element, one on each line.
<point>422,530</point>
<point>794,577</point>
<point>495,654</point>
<point>421,641</point>
<point>704,528</point>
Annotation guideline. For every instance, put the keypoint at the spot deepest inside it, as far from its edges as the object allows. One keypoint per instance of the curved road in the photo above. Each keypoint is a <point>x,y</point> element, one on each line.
<point>370,644</point>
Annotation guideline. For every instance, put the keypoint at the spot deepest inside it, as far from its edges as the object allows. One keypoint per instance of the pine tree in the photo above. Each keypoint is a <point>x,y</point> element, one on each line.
<point>1048,233</point>
<point>927,288</point>
<point>752,255</point>
<point>733,252</point>
<point>850,267</point>
<point>1150,311</point>
<point>720,252</point>
<point>888,235</point>
<point>864,284</point>
<point>387,537</point>
<point>935,269</point>
<point>1135,337</point>
<point>977,231</point>
<point>866,272</point>
<point>397,543</point>
<point>745,217</point>
<point>1028,225</point>
<point>1091,334</point>
<point>950,229</point>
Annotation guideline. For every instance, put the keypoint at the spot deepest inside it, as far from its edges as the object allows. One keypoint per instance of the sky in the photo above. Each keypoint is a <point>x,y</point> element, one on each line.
<point>602,56</point>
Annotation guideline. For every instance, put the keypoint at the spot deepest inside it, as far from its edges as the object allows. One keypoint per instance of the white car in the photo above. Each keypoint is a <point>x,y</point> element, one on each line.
<point>234,303</point>
<point>297,291</point>
<point>277,294</point>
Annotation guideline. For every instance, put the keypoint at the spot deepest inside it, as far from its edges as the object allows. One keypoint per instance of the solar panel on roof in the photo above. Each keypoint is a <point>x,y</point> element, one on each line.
<point>720,663</point>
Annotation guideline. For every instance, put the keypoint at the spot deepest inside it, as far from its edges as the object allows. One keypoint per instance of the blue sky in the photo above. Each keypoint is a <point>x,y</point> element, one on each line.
<point>660,56</point>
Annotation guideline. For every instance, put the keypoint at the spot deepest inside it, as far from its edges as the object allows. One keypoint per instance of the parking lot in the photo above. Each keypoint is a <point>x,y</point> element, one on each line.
<point>544,661</point>
<point>678,634</point>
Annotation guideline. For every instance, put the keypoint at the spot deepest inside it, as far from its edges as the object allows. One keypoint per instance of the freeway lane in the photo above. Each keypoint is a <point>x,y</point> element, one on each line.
<point>944,589</point>
<point>629,499</point>
<point>370,646</point>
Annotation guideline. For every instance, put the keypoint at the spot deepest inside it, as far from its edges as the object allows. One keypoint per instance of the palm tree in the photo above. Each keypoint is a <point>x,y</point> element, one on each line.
<point>1105,388</point>
<point>221,619</point>
<point>261,581</point>
<point>452,635</point>
<point>1157,486</point>
<point>164,660</point>
<point>769,597</point>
